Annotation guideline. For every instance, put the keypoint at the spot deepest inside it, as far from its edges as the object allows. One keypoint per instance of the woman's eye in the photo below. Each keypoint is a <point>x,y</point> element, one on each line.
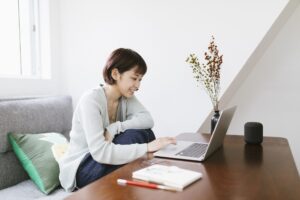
<point>133,78</point>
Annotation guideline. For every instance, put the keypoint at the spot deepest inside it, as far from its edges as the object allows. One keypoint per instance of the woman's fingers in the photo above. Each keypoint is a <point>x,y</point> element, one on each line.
<point>159,143</point>
<point>172,140</point>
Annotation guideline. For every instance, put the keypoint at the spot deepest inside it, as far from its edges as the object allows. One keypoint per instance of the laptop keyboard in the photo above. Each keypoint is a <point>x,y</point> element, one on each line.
<point>194,150</point>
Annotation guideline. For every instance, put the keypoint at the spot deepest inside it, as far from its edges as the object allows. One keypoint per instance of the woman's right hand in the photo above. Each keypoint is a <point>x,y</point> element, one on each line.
<point>160,143</point>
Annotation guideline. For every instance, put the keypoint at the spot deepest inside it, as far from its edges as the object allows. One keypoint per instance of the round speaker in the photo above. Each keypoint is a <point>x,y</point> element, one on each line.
<point>253,133</point>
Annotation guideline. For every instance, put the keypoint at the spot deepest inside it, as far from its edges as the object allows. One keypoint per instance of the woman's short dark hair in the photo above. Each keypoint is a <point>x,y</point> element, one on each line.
<point>123,60</point>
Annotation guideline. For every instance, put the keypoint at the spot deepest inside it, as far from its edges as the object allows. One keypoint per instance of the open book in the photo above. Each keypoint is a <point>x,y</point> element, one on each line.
<point>171,176</point>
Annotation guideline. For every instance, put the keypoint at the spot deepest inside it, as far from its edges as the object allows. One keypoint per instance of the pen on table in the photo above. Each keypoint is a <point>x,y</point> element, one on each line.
<point>145,184</point>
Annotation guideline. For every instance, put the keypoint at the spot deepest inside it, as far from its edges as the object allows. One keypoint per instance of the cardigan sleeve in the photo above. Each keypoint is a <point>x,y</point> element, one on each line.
<point>90,117</point>
<point>137,117</point>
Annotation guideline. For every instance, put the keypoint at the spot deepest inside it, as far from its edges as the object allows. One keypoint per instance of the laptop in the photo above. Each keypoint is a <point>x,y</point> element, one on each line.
<point>198,151</point>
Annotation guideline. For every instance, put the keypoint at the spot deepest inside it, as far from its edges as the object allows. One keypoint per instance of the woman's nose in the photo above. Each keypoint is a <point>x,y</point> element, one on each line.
<point>137,85</point>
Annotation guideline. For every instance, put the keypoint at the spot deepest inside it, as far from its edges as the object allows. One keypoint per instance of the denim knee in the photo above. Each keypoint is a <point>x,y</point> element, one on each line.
<point>90,170</point>
<point>132,136</point>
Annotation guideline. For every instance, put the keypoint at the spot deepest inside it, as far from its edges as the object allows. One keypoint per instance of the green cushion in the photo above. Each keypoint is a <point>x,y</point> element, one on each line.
<point>35,154</point>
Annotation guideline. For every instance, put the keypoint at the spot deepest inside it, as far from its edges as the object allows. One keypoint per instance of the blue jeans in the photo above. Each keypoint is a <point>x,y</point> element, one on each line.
<point>90,170</point>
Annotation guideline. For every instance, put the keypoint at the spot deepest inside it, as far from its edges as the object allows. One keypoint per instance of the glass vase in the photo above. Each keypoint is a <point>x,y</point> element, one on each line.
<point>214,121</point>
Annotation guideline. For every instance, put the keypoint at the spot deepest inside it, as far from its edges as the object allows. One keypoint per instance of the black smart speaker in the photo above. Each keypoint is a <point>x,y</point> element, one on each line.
<point>253,133</point>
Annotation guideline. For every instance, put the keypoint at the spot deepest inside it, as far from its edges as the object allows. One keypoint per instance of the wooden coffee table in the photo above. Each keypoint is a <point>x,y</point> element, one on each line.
<point>236,171</point>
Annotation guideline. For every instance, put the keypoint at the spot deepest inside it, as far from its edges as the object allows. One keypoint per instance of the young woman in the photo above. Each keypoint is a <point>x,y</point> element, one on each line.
<point>110,127</point>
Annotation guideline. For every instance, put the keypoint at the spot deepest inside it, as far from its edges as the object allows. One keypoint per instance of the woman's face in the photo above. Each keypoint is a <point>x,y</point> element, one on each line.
<point>128,82</point>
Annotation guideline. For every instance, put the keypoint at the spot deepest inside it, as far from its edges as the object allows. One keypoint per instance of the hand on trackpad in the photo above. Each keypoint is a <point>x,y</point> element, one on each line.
<point>170,147</point>
<point>160,143</point>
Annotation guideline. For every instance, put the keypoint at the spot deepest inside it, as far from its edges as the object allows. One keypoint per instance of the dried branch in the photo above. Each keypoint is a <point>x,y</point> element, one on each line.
<point>208,74</point>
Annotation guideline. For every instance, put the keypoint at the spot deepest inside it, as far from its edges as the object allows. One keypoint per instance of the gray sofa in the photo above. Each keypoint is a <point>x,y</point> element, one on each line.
<point>29,115</point>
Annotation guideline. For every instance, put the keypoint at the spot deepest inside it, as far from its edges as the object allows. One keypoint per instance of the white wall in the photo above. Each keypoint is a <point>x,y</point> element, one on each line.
<point>164,33</point>
<point>271,94</point>
<point>14,87</point>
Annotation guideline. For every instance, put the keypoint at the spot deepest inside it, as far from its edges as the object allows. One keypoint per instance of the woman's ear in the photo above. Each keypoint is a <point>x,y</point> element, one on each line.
<point>115,74</point>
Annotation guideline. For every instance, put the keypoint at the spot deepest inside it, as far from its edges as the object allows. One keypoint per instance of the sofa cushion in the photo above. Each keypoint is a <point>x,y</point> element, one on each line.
<point>29,115</point>
<point>36,154</point>
<point>26,190</point>
<point>37,115</point>
<point>11,171</point>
